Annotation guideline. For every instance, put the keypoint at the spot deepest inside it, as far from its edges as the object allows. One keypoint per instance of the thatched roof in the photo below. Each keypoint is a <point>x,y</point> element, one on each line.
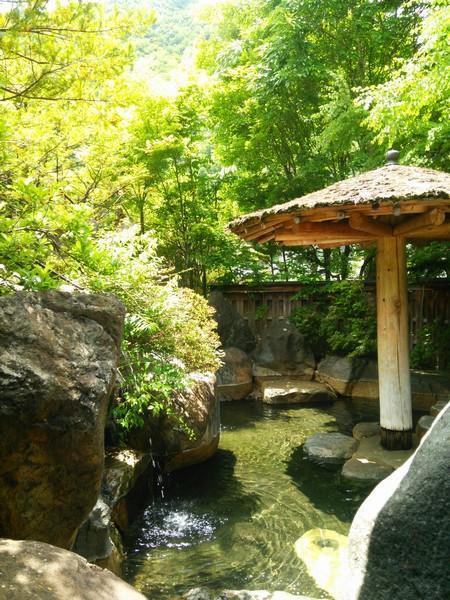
<point>391,183</point>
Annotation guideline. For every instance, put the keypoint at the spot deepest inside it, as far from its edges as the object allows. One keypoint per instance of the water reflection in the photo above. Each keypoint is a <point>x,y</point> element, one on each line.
<point>233,521</point>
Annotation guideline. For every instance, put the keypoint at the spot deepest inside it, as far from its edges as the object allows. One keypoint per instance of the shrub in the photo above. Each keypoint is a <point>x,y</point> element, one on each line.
<point>169,331</point>
<point>432,347</point>
<point>337,316</point>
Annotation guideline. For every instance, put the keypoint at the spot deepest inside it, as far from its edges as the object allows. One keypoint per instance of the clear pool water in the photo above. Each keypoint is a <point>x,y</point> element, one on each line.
<point>232,522</point>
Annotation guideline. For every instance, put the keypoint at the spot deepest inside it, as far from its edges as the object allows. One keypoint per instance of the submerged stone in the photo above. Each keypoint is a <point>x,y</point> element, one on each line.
<point>324,553</point>
<point>330,448</point>
<point>365,430</point>
<point>202,593</point>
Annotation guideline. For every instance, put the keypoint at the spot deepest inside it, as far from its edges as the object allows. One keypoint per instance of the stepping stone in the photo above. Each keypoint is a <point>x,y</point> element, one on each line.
<point>423,426</point>
<point>371,449</point>
<point>330,448</point>
<point>286,391</point>
<point>436,408</point>
<point>365,430</point>
<point>366,470</point>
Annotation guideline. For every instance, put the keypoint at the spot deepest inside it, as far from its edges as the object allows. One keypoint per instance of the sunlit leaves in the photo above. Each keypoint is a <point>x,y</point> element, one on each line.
<point>412,110</point>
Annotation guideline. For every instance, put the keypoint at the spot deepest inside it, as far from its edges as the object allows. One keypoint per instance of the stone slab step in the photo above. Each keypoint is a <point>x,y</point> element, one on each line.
<point>366,470</point>
<point>423,426</point>
<point>291,391</point>
<point>330,448</point>
<point>370,448</point>
<point>436,408</point>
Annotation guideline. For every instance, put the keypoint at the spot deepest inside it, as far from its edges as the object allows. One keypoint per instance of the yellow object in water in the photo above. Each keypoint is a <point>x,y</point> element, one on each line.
<point>324,553</point>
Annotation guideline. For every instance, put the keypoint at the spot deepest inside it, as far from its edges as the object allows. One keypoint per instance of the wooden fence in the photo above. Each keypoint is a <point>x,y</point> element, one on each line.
<point>261,304</point>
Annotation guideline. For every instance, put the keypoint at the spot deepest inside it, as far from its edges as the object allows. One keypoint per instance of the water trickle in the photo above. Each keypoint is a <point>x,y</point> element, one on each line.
<point>161,477</point>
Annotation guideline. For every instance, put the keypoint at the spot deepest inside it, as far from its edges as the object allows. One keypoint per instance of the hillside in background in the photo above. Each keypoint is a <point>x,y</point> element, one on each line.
<point>174,31</point>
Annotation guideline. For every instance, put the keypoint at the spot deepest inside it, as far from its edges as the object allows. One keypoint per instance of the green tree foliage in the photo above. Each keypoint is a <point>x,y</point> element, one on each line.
<point>411,111</point>
<point>287,97</point>
<point>173,33</point>
<point>68,103</point>
<point>179,190</point>
<point>285,76</point>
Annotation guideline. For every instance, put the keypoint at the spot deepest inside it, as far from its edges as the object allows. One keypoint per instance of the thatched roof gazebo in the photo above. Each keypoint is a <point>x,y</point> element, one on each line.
<point>387,207</point>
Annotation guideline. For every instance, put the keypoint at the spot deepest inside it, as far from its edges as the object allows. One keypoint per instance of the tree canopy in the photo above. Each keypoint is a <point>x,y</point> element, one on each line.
<point>110,181</point>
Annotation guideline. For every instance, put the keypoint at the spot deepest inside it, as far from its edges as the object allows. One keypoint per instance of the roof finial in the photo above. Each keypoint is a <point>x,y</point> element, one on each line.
<point>392,157</point>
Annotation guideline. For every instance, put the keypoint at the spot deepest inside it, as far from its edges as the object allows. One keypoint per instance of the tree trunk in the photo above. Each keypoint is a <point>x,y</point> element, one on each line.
<point>327,263</point>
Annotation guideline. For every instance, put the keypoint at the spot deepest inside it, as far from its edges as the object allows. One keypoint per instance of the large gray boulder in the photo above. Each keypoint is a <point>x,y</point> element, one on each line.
<point>429,388</point>
<point>398,543</point>
<point>349,377</point>
<point>58,358</point>
<point>232,328</point>
<point>163,436</point>
<point>207,594</point>
<point>34,570</point>
<point>235,377</point>
<point>358,378</point>
<point>283,349</point>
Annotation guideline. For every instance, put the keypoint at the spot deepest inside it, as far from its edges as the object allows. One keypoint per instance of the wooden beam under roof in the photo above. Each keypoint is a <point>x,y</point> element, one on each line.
<point>257,234</point>
<point>441,232</point>
<point>432,218</point>
<point>368,225</point>
<point>323,230</point>
<point>334,213</point>
<point>269,221</point>
<point>329,243</point>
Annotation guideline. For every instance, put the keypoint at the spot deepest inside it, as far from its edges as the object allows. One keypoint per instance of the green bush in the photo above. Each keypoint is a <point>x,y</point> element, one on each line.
<point>169,330</point>
<point>432,348</point>
<point>337,317</point>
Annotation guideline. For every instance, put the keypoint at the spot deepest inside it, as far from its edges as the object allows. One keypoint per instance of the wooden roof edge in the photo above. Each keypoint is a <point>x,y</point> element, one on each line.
<point>388,184</point>
<point>274,213</point>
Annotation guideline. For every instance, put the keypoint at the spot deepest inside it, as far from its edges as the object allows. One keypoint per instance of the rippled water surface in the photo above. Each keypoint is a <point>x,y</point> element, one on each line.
<point>232,522</point>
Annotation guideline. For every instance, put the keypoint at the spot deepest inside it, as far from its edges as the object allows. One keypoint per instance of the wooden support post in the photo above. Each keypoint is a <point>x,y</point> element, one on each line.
<point>393,350</point>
